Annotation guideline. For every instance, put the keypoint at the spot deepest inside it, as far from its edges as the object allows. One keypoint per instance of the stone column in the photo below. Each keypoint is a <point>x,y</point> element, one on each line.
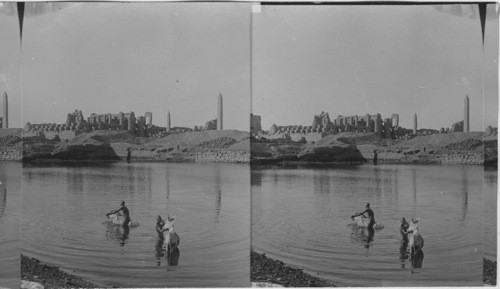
<point>415,124</point>
<point>219,113</point>
<point>395,120</point>
<point>120,120</point>
<point>168,121</point>
<point>378,123</point>
<point>131,123</point>
<point>368,123</point>
<point>5,119</point>
<point>140,126</point>
<point>466,114</point>
<point>149,117</point>
<point>387,128</point>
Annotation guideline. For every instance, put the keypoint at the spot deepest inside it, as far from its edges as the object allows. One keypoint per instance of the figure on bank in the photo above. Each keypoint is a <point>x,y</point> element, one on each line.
<point>129,155</point>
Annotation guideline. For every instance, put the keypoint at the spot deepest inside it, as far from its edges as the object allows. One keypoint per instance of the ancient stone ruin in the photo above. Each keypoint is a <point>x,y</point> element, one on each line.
<point>322,125</point>
<point>255,125</point>
<point>76,123</point>
<point>211,125</point>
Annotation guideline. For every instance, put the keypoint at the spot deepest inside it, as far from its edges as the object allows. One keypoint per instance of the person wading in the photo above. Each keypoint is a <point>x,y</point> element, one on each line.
<point>371,216</point>
<point>126,214</point>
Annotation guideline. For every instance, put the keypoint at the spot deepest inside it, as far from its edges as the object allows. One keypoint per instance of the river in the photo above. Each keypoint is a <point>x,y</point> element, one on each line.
<point>301,215</point>
<point>10,216</point>
<point>64,222</point>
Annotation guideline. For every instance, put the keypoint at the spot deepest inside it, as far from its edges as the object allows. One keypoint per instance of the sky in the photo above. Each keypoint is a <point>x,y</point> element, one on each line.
<point>141,57</point>
<point>354,60</point>
<point>10,57</point>
<point>178,57</point>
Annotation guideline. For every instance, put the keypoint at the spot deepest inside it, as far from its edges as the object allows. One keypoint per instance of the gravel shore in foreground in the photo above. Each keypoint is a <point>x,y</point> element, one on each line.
<point>489,272</point>
<point>51,276</point>
<point>265,269</point>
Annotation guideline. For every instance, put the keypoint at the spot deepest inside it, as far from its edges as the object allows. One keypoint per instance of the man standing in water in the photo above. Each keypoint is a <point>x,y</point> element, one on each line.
<point>371,216</point>
<point>126,214</point>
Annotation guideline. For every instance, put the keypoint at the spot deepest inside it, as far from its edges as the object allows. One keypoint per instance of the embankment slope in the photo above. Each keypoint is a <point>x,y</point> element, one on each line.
<point>216,146</point>
<point>10,144</point>
<point>453,148</point>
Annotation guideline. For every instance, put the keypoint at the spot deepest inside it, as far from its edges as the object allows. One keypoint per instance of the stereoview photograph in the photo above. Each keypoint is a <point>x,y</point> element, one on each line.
<point>136,144</point>
<point>374,145</point>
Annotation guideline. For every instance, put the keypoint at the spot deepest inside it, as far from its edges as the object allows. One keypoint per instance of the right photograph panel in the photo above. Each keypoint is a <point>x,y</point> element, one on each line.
<point>374,145</point>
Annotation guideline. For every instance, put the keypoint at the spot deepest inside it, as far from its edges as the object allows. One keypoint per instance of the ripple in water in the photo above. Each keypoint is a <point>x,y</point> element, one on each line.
<point>66,223</point>
<point>10,207</point>
<point>301,215</point>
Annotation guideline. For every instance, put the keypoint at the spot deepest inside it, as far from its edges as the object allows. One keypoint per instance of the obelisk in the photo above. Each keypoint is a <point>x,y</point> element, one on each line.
<point>219,113</point>
<point>466,114</point>
<point>415,124</point>
<point>168,121</point>
<point>5,119</point>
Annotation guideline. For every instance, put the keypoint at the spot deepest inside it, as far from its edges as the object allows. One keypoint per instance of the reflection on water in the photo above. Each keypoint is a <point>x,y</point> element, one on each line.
<point>447,199</point>
<point>403,252</point>
<point>3,199</point>
<point>365,236</point>
<point>161,253</point>
<point>218,194</point>
<point>417,259</point>
<point>10,193</point>
<point>118,234</point>
<point>490,212</point>
<point>211,203</point>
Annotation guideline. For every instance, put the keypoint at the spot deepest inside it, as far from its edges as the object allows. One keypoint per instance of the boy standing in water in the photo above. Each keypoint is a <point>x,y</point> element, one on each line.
<point>159,226</point>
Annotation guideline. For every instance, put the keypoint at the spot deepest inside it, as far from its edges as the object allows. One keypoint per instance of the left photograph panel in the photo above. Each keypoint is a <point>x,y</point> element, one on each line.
<point>10,147</point>
<point>136,144</point>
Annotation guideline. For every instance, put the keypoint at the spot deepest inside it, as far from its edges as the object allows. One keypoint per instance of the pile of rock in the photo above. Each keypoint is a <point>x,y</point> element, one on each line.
<point>222,142</point>
<point>466,145</point>
<point>9,140</point>
<point>491,131</point>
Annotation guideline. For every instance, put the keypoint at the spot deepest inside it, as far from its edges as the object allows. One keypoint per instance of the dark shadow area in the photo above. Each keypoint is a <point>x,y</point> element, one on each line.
<point>491,153</point>
<point>172,257</point>
<point>54,152</point>
<point>3,199</point>
<point>403,252</point>
<point>417,259</point>
<point>117,233</point>
<point>363,235</point>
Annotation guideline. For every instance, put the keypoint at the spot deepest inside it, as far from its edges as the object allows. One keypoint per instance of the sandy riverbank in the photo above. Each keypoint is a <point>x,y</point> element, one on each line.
<point>51,276</point>
<point>270,271</point>
<point>489,272</point>
<point>265,269</point>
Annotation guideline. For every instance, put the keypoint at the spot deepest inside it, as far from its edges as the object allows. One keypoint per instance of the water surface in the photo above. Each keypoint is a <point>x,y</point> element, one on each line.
<point>300,215</point>
<point>65,206</point>
<point>490,213</point>
<point>10,207</point>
